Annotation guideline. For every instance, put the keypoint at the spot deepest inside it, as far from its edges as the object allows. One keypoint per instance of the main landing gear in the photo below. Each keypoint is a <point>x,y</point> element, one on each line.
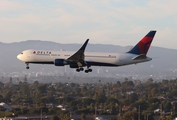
<point>79,69</point>
<point>82,69</point>
<point>27,65</point>
<point>88,70</point>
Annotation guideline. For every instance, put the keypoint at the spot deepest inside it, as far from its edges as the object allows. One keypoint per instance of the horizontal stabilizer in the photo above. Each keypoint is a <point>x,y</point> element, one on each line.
<point>139,57</point>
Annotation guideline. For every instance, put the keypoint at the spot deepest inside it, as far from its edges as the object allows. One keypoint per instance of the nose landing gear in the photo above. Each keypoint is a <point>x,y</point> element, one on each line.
<point>27,65</point>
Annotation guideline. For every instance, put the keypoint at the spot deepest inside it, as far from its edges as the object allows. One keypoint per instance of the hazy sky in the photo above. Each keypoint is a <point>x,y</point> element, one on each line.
<point>119,22</point>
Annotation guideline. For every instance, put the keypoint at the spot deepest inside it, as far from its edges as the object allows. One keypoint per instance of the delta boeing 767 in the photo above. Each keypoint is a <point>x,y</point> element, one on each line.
<point>81,59</point>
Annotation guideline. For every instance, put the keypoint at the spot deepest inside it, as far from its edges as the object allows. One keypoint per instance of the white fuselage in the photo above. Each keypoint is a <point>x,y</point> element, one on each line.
<point>93,58</point>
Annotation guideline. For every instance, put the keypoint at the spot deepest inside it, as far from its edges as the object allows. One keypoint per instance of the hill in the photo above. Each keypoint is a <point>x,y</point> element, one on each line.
<point>163,65</point>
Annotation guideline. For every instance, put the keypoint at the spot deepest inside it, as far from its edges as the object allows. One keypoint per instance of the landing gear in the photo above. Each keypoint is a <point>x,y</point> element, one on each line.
<point>82,69</point>
<point>27,65</point>
<point>79,69</point>
<point>88,69</point>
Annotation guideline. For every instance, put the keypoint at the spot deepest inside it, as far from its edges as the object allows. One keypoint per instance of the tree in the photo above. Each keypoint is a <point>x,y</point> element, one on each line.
<point>54,118</point>
<point>25,89</point>
<point>130,115</point>
<point>83,116</point>
<point>68,99</point>
<point>147,114</point>
<point>88,101</point>
<point>84,89</point>
<point>133,97</point>
<point>142,103</point>
<point>33,111</point>
<point>118,83</point>
<point>154,92</point>
<point>65,116</point>
<point>173,93</point>
<point>168,106</point>
<point>128,84</point>
<point>153,100</point>
<point>101,98</point>
<point>7,95</point>
<point>36,83</point>
<point>112,100</point>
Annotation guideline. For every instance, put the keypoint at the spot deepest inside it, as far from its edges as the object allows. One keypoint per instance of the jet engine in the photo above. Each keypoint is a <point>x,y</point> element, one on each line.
<point>60,62</point>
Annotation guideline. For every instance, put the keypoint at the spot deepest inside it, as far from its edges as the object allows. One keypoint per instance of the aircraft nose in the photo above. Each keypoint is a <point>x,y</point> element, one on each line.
<point>19,56</point>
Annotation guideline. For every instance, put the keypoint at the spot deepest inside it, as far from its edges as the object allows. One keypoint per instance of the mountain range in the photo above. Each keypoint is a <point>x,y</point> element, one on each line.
<point>163,65</point>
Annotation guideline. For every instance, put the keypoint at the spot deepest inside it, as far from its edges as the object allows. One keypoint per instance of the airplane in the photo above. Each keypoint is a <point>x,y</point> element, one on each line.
<point>81,59</point>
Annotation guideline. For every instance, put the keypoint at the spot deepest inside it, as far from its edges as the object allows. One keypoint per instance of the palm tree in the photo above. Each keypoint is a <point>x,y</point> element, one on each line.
<point>83,116</point>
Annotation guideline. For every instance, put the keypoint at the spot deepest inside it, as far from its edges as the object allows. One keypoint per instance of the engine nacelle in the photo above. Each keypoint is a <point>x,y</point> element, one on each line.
<point>60,62</point>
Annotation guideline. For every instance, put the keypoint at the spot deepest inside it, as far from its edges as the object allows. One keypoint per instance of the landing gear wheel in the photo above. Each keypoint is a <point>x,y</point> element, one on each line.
<point>86,71</point>
<point>27,65</point>
<point>78,70</point>
<point>81,69</point>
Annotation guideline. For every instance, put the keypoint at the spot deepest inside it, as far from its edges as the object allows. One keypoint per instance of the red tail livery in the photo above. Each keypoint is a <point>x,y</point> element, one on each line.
<point>143,46</point>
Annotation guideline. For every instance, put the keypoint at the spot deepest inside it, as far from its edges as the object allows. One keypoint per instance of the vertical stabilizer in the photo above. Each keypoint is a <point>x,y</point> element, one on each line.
<point>143,45</point>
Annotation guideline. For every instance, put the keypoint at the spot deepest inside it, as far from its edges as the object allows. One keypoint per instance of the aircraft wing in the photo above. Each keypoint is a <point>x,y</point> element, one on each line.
<point>141,56</point>
<point>79,57</point>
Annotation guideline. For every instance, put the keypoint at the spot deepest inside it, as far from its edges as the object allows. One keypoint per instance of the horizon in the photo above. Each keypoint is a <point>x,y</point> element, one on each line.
<point>83,42</point>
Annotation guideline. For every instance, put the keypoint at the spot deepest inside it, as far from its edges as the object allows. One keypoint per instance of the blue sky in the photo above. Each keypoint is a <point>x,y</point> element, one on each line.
<point>117,22</point>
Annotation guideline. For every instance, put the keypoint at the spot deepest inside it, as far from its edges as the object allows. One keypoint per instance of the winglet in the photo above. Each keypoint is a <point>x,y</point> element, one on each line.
<point>143,46</point>
<point>84,45</point>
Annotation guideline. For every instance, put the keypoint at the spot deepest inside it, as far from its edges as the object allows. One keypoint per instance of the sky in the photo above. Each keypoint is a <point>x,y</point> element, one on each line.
<point>117,22</point>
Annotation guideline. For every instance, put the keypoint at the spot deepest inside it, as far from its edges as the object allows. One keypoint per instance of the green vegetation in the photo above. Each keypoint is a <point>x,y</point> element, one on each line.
<point>127,99</point>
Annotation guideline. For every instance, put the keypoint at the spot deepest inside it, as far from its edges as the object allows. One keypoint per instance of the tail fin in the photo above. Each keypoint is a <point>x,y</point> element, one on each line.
<point>143,46</point>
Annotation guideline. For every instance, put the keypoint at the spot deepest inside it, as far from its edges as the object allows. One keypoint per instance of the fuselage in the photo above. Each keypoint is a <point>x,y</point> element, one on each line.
<point>91,58</point>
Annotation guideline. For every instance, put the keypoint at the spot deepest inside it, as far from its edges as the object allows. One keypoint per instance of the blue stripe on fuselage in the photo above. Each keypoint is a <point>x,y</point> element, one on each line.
<point>99,64</point>
<point>87,63</point>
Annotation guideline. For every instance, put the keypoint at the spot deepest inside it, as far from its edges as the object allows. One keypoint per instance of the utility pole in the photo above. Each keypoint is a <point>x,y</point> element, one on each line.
<point>41,114</point>
<point>139,117</point>
<point>160,110</point>
<point>95,110</point>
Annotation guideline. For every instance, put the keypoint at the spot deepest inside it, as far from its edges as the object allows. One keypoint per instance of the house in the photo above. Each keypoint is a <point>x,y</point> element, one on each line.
<point>4,105</point>
<point>157,110</point>
<point>126,108</point>
<point>62,107</point>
